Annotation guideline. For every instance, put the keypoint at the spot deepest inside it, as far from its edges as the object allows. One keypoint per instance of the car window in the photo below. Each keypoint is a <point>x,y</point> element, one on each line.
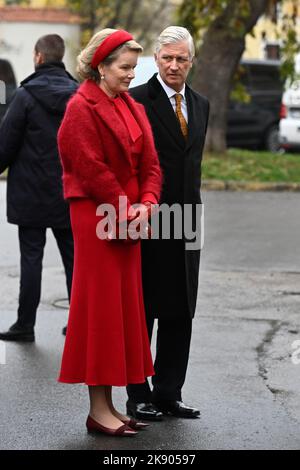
<point>265,78</point>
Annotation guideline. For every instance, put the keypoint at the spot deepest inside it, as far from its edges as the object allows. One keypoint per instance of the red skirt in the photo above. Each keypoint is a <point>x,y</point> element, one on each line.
<point>107,341</point>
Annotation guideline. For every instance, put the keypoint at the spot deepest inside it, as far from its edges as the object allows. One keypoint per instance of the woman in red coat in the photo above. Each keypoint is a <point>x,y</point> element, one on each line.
<point>107,151</point>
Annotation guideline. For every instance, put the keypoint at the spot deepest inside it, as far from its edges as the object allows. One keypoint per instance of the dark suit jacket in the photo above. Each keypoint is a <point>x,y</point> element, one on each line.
<point>170,273</point>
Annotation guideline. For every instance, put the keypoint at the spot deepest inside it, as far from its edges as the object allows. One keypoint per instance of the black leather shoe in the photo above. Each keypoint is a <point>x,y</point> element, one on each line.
<point>64,330</point>
<point>17,333</point>
<point>177,408</point>
<point>144,411</point>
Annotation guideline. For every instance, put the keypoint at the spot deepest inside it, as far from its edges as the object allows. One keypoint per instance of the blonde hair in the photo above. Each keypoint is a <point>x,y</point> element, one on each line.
<point>84,59</point>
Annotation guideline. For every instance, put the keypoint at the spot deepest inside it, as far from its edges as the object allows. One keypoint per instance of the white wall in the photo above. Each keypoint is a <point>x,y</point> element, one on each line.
<point>17,42</point>
<point>144,70</point>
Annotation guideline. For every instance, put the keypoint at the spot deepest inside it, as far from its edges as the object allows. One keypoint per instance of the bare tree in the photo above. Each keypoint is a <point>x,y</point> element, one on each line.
<point>145,18</point>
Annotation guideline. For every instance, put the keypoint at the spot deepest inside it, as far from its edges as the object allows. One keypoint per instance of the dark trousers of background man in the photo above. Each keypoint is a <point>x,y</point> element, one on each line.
<point>32,242</point>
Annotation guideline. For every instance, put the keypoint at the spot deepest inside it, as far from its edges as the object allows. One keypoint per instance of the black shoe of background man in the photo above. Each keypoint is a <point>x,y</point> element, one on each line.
<point>143,411</point>
<point>176,408</point>
<point>64,330</point>
<point>18,333</point>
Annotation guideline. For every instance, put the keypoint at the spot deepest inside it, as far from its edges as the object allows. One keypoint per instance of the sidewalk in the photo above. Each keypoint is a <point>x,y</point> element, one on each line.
<point>231,185</point>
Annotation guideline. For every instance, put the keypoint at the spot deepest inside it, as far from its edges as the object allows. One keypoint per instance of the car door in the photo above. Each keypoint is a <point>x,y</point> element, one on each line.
<point>249,123</point>
<point>241,115</point>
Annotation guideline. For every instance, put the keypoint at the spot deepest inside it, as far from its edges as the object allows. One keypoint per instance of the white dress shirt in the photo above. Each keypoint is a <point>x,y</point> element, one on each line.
<point>171,95</point>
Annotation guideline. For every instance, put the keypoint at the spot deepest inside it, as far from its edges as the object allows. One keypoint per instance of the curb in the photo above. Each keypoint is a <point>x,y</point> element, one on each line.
<point>227,185</point>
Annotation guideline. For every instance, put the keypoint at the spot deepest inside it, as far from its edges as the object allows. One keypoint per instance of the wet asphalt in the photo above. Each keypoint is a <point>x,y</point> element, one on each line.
<point>243,372</point>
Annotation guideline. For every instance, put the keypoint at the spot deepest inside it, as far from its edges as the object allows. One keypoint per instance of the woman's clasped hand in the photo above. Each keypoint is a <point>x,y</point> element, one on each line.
<point>135,227</point>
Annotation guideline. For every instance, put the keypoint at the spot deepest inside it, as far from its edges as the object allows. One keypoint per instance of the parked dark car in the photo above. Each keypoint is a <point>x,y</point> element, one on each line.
<point>7,78</point>
<point>256,124</point>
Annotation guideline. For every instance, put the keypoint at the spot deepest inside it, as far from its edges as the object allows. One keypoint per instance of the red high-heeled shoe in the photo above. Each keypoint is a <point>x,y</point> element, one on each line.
<point>134,424</point>
<point>94,426</point>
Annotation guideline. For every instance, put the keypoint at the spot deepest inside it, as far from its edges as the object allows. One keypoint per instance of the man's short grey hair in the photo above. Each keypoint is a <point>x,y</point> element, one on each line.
<point>174,34</point>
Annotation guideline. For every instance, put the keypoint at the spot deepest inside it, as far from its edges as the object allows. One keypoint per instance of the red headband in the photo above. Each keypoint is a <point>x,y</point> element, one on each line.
<point>110,43</point>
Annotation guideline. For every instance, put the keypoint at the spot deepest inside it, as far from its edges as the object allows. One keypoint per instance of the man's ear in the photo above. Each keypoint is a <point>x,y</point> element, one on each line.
<point>39,58</point>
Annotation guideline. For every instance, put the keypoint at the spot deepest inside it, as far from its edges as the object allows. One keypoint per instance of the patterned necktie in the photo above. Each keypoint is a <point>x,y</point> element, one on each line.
<point>180,116</point>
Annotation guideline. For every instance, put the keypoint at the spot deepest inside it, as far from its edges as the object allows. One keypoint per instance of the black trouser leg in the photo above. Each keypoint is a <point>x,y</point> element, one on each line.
<point>141,393</point>
<point>32,242</point>
<point>64,239</point>
<point>172,354</point>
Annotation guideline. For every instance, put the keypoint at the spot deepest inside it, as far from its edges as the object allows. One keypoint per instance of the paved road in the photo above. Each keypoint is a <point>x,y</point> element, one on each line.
<point>241,372</point>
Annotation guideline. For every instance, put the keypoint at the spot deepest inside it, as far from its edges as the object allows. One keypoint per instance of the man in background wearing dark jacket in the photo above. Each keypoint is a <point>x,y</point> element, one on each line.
<point>35,201</point>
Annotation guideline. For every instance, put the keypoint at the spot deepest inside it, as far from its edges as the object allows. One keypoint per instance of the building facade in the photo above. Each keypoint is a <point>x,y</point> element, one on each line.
<point>20,27</point>
<point>268,36</point>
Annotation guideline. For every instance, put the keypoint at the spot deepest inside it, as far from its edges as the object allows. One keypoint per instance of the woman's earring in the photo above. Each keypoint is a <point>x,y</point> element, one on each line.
<point>102,77</point>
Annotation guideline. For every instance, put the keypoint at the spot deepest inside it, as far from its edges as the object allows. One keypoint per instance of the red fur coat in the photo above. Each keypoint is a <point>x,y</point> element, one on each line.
<point>95,151</point>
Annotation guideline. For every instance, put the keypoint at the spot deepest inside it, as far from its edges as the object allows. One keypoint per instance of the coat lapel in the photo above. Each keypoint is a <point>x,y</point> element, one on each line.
<point>193,118</point>
<point>112,121</point>
<point>133,106</point>
<point>105,109</point>
<point>163,109</point>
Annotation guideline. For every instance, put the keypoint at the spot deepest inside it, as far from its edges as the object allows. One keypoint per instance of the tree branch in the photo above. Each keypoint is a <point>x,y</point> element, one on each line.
<point>134,7</point>
<point>113,22</point>
<point>146,26</point>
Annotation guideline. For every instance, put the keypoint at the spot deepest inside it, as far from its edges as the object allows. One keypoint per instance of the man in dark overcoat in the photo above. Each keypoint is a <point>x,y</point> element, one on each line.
<point>178,116</point>
<point>28,148</point>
